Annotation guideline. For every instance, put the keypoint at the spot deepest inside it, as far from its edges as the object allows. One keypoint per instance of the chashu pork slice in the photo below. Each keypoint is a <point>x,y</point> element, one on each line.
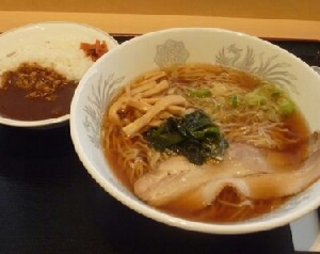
<point>251,172</point>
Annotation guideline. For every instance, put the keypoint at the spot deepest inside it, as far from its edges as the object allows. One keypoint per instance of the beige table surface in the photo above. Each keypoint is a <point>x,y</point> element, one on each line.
<point>292,19</point>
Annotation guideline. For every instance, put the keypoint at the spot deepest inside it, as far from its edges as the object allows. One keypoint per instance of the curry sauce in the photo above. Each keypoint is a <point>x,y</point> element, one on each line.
<point>32,92</point>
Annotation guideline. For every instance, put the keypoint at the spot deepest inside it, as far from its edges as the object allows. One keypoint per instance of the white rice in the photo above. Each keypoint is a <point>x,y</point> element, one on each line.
<point>54,45</point>
<point>67,59</point>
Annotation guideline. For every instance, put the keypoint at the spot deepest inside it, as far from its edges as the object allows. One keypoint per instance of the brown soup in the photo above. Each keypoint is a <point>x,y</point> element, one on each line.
<point>241,121</point>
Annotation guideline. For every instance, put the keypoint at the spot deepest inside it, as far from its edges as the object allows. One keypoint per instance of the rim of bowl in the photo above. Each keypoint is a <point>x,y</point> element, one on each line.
<point>156,215</point>
<point>57,121</point>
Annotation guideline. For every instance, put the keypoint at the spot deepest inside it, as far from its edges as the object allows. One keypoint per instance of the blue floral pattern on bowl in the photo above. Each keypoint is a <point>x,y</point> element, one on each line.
<point>267,68</point>
<point>97,104</point>
<point>170,53</point>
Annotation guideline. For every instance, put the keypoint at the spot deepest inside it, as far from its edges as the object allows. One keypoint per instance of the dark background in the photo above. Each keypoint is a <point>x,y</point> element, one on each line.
<point>50,204</point>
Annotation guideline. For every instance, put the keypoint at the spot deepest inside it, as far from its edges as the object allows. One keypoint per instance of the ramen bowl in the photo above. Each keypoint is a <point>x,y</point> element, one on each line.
<point>179,46</point>
<point>57,48</point>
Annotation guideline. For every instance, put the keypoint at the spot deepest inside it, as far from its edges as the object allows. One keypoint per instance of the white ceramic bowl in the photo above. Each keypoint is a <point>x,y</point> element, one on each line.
<point>58,41</point>
<point>155,49</point>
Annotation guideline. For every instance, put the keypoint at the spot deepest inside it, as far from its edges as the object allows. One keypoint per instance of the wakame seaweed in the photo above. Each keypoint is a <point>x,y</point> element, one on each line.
<point>194,136</point>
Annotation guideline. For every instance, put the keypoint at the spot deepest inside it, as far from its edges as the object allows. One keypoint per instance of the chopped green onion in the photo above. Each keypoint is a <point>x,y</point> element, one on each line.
<point>286,106</point>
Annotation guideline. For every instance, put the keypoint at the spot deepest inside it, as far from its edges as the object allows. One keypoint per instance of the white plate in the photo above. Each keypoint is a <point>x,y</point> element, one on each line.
<point>55,42</point>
